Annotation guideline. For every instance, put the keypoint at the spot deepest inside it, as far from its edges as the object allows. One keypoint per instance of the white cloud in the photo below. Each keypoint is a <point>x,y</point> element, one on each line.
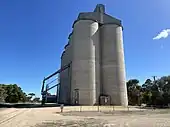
<point>163,34</point>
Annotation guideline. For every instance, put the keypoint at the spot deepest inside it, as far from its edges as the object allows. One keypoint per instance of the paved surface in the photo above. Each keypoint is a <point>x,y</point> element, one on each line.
<point>51,117</point>
<point>2,109</point>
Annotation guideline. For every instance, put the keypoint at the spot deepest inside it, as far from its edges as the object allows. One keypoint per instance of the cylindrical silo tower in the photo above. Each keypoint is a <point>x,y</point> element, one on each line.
<point>112,64</point>
<point>85,38</point>
<point>65,75</point>
<point>71,59</point>
<point>95,51</point>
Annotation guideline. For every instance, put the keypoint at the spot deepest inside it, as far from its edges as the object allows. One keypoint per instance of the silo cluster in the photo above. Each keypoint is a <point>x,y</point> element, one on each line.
<point>96,55</point>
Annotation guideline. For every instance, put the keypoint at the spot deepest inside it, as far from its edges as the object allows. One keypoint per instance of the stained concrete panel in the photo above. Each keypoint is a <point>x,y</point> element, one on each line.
<point>65,81</point>
<point>85,36</point>
<point>112,64</point>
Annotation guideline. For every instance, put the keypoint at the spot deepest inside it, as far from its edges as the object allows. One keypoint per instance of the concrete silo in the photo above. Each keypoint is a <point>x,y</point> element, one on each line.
<point>112,64</point>
<point>65,75</point>
<point>96,53</point>
<point>85,37</point>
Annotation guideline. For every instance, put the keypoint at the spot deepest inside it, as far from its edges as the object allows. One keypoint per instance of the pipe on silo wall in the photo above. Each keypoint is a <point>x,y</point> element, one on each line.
<point>112,64</point>
<point>84,59</point>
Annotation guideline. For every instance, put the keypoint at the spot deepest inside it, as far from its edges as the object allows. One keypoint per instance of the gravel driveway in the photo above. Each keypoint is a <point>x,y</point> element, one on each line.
<point>50,117</point>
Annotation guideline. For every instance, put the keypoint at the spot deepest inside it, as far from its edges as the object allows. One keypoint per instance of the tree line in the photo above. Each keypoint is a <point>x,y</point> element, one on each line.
<point>12,93</point>
<point>152,92</point>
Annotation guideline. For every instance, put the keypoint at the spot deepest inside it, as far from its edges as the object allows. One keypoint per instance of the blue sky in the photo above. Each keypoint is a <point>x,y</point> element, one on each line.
<point>33,34</point>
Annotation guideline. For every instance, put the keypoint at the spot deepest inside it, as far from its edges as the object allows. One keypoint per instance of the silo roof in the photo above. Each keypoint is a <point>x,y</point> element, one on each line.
<point>99,16</point>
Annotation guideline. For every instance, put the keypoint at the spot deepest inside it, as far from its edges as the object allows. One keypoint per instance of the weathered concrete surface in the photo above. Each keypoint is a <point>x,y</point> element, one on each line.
<point>97,57</point>
<point>65,76</point>
<point>85,37</point>
<point>112,64</point>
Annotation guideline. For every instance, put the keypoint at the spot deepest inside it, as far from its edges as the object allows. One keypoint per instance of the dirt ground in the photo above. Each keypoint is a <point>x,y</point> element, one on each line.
<point>2,109</point>
<point>51,117</point>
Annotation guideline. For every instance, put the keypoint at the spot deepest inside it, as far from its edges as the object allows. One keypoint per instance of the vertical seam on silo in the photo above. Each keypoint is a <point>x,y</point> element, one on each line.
<point>100,60</point>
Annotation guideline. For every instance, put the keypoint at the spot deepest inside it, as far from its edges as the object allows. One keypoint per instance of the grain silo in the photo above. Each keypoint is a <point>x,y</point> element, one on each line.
<point>65,75</point>
<point>113,69</point>
<point>83,61</point>
<point>97,66</point>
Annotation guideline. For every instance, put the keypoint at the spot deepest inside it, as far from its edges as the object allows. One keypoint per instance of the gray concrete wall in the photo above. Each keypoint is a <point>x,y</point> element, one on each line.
<point>121,69</point>
<point>65,81</point>
<point>96,41</point>
<point>97,57</point>
<point>85,36</point>
<point>112,64</point>
<point>62,94</point>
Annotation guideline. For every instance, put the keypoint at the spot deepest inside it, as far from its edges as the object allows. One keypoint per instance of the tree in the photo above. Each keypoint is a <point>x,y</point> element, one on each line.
<point>164,89</point>
<point>151,92</point>
<point>14,94</point>
<point>31,94</point>
<point>36,99</point>
<point>134,91</point>
<point>28,98</point>
<point>3,94</point>
<point>147,91</point>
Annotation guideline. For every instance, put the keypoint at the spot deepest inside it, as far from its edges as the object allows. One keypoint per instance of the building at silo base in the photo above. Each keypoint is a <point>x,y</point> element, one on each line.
<point>95,51</point>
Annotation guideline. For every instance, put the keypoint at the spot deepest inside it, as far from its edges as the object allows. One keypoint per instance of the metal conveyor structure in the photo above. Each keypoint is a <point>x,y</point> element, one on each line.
<point>46,88</point>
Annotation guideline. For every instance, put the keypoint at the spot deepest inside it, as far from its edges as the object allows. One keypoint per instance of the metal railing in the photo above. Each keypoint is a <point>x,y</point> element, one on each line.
<point>98,108</point>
